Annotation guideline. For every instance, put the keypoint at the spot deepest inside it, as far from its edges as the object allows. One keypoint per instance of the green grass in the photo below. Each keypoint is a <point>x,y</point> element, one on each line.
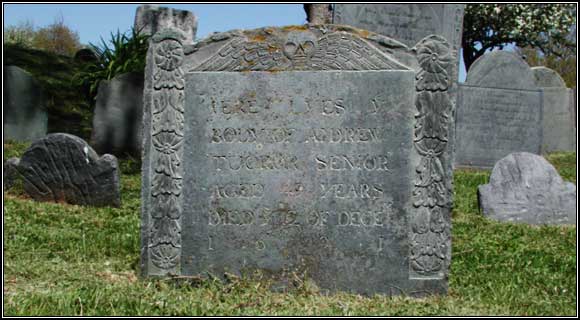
<point>71,260</point>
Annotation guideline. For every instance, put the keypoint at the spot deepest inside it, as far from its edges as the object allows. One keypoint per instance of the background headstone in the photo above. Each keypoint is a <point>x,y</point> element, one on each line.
<point>557,118</point>
<point>118,117</point>
<point>526,188</point>
<point>10,172</point>
<point>273,170</point>
<point>151,18</point>
<point>64,168</point>
<point>25,117</point>
<point>499,111</point>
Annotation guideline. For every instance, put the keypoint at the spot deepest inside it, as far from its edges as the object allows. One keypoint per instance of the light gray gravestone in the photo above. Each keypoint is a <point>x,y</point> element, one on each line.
<point>25,117</point>
<point>317,150</point>
<point>558,118</point>
<point>525,188</point>
<point>118,117</point>
<point>64,168</point>
<point>151,18</point>
<point>499,111</point>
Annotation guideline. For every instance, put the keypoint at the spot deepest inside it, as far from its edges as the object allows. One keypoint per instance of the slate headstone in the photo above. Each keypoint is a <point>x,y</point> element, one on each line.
<point>557,118</point>
<point>10,172</point>
<point>499,111</point>
<point>526,188</point>
<point>150,19</point>
<point>63,168</point>
<point>25,117</point>
<point>118,117</point>
<point>303,149</point>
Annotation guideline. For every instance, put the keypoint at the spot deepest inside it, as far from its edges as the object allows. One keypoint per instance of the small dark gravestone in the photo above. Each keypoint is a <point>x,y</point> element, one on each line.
<point>25,117</point>
<point>311,150</point>
<point>526,188</point>
<point>499,111</point>
<point>10,172</point>
<point>63,168</point>
<point>151,18</point>
<point>86,55</point>
<point>559,131</point>
<point>118,115</point>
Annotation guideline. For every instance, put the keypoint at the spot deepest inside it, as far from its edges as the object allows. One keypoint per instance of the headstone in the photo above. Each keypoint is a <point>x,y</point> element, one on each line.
<point>557,119</point>
<point>499,111</point>
<point>63,168</point>
<point>407,23</point>
<point>150,19</point>
<point>312,150</point>
<point>118,117</point>
<point>10,172</point>
<point>525,188</point>
<point>25,117</point>
<point>86,55</point>
<point>574,104</point>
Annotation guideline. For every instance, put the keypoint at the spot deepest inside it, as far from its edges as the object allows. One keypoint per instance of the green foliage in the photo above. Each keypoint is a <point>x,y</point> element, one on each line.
<point>55,38</point>
<point>542,26</point>
<point>124,53</point>
<point>69,260</point>
<point>68,108</point>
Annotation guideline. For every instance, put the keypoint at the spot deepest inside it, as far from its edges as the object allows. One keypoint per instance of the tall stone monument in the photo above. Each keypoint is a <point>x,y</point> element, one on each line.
<point>558,117</point>
<point>499,111</point>
<point>151,18</point>
<point>313,150</point>
<point>25,116</point>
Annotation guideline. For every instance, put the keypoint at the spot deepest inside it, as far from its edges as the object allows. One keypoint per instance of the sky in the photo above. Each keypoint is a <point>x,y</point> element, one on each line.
<point>95,21</point>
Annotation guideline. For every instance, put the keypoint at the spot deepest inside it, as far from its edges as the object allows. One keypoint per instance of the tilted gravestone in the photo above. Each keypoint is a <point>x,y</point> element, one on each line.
<point>149,19</point>
<point>25,117</point>
<point>64,168</point>
<point>499,111</point>
<point>559,131</point>
<point>118,117</point>
<point>317,150</point>
<point>525,188</point>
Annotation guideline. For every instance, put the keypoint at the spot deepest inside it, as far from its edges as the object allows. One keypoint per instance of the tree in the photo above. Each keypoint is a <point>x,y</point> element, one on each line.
<point>20,35</point>
<point>57,38</point>
<point>542,26</point>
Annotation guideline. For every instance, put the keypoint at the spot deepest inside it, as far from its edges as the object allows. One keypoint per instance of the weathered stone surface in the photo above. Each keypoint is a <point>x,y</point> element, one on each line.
<point>118,118</point>
<point>496,117</point>
<point>574,104</point>
<point>407,23</point>
<point>501,69</point>
<point>25,116</point>
<point>526,188</point>
<point>63,168</point>
<point>318,13</point>
<point>546,77</point>
<point>10,172</point>
<point>321,150</point>
<point>149,19</point>
<point>557,118</point>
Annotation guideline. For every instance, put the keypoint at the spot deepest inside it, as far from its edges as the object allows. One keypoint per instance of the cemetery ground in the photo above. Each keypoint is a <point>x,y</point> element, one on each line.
<point>62,259</point>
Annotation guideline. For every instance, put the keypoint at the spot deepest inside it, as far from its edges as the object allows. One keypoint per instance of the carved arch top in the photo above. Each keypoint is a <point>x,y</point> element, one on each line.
<point>320,47</point>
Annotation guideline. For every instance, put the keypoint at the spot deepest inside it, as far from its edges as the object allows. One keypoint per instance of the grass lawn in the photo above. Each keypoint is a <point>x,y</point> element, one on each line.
<point>71,260</point>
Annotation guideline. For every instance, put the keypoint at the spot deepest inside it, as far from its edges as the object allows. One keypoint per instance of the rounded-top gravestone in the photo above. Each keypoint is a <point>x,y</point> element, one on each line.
<point>548,78</point>
<point>64,168</point>
<point>525,187</point>
<point>25,117</point>
<point>501,69</point>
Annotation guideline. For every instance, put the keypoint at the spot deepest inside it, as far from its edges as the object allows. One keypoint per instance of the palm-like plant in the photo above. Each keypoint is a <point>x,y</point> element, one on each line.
<point>124,53</point>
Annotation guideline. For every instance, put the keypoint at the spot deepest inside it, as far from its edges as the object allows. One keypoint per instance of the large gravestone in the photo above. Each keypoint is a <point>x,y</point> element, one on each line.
<point>118,118</point>
<point>151,18</point>
<point>63,168</point>
<point>312,150</point>
<point>525,188</point>
<point>499,111</point>
<point>25,117</point>
<point>559,131</point>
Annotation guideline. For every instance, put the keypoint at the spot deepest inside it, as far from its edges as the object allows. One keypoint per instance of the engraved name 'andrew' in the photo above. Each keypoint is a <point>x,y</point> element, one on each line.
<point>291,135</point>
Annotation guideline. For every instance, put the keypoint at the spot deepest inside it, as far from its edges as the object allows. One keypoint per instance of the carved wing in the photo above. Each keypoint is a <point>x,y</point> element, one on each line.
<point>344,51</point>
<point>239,54</point>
